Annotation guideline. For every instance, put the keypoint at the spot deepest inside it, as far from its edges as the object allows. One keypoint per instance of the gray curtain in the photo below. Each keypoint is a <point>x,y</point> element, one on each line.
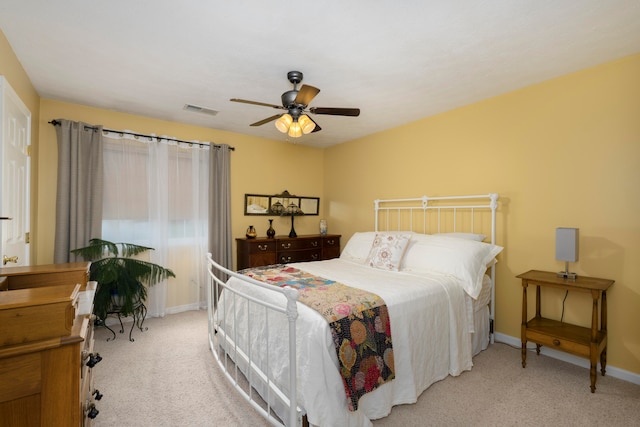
<point>79,197</point>
<point>220,238</point>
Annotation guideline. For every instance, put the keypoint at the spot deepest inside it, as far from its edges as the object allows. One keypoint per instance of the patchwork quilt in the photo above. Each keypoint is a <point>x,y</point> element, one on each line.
<point>359,323</point>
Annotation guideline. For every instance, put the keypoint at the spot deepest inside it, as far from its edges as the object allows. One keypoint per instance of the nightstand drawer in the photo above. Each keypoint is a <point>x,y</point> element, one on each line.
<point>558,343</point>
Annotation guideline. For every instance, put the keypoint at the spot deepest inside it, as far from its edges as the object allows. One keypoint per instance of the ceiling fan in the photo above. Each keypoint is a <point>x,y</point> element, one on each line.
<point>295,121</point>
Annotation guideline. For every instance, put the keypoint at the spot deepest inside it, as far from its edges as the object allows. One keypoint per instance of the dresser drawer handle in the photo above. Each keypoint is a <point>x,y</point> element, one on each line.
<point>91,410</point>
<point>262,247</point>
<point>556,342</point>
<point>94,359</point>
<point>331,242</point>
<point>285,259</point>
<point>314,257</point>
<point>97,395</point>
<point>286,245</point>
<point>314,244</point>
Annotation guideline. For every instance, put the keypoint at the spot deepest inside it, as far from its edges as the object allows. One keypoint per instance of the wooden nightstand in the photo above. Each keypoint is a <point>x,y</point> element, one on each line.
<point>585,342</point>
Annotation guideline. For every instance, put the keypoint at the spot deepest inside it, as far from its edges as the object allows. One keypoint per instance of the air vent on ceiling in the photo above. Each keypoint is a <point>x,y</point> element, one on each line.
<point>202,110</point>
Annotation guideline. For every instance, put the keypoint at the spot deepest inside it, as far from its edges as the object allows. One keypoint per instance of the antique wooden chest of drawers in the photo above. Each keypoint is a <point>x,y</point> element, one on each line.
<point>282,250</point>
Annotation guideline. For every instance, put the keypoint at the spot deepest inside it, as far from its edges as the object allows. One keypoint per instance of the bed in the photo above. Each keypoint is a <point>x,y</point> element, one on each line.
<point>430,260</point>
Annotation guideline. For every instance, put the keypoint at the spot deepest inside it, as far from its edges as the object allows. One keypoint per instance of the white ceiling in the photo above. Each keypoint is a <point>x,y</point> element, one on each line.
<point>398,61</point>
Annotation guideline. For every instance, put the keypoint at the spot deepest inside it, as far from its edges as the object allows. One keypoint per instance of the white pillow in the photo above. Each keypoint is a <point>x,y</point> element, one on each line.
<point>387,251</point>
<point>462,258</point>
<point>358,247</point>
<point>470,236</point>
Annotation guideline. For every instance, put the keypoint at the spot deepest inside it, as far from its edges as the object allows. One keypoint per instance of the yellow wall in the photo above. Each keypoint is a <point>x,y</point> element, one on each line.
<point>563,153</point>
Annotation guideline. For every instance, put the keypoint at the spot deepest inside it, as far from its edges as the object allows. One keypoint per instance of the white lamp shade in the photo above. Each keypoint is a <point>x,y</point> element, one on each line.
<point>295,131</point>
<point>306,124</point>
<point>283,123</point>
<point>567,244</point>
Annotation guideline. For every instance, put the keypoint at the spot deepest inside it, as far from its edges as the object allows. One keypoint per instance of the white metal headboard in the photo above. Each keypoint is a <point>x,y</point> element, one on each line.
<point>427,215</point>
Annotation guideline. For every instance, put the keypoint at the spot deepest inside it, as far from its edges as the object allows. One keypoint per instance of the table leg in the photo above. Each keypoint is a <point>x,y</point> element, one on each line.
<point>593,353</point>
<point>603,327</point>
<point>523,331</point>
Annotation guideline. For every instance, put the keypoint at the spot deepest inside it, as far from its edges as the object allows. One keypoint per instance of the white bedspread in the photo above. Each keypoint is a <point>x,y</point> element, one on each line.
<point>430,341</point>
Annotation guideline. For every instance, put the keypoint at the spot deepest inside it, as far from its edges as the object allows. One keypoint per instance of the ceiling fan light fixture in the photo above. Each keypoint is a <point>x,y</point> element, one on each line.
<point>306,124</point>
<point>295,131</point>
<point>284,122</point>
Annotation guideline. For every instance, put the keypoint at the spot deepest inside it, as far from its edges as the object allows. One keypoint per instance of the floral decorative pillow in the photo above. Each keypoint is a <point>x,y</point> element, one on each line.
<point>387,251</point>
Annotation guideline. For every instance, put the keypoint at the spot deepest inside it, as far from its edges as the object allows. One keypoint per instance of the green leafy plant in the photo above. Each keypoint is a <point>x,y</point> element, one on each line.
<point>121,279</point>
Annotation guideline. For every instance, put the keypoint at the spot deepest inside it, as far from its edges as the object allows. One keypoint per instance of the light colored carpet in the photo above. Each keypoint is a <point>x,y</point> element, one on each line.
<point>168,377</point>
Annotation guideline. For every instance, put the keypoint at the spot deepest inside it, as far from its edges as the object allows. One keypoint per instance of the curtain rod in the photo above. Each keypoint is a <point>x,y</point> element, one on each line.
<point>57,123</point>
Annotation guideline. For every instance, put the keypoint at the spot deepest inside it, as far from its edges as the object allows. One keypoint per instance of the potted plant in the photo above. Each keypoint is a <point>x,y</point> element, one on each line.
<point>121,279</point>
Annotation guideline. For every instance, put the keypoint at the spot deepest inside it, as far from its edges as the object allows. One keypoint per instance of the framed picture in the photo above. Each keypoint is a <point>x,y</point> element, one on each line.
<point>256,204</point>
<point>310,205</point>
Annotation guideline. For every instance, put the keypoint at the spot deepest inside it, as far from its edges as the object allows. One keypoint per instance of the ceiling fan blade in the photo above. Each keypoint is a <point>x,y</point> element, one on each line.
<point>306,94</point>
<point>263,104</point>
<point>267,120</point>
<point>317,128</point>
<point>353,112</point>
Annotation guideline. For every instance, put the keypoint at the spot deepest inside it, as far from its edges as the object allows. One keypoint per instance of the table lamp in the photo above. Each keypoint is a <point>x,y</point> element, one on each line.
<point>567,249</point>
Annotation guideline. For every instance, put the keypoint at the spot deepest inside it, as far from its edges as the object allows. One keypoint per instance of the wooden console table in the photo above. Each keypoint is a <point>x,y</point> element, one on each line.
<point>580,341</point>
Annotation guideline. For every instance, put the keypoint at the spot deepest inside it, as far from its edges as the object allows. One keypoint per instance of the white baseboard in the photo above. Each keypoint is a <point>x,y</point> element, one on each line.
<point>111,320</point>
<point>186,307</point>
<point>566,357</point>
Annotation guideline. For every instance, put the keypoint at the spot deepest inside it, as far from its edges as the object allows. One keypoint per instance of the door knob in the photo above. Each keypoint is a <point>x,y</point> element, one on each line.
<point>6,259</point>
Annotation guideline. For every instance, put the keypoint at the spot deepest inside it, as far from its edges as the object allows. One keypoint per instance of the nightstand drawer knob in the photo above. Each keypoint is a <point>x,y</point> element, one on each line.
<point>556,342</point>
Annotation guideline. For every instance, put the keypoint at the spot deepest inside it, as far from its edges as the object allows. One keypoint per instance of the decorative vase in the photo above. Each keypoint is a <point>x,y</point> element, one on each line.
<point>251,232</point>
<point>271,232</point>
<point>323,227</point>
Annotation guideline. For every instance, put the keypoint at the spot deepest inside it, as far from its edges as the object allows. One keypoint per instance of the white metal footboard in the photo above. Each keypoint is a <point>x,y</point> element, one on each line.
<point>238,363</point>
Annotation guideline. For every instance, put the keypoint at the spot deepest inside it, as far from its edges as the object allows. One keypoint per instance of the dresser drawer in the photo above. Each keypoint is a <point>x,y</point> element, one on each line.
<point>86,349</point>
<point>298,243</point>
<point>261,246</point>
<point>330,246</point>
<point>286,257</point>
<point>331,241</point>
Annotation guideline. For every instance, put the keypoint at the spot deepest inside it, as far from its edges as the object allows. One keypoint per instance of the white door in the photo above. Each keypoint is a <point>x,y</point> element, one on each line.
<point>15,135</point>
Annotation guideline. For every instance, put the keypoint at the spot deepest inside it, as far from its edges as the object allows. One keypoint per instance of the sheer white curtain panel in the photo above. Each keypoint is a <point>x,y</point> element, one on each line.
<point>156,194</point>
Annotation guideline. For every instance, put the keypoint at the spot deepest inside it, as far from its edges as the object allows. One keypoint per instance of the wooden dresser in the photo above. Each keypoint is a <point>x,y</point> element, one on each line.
<point>282,250</point>
<point>46,348</point>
